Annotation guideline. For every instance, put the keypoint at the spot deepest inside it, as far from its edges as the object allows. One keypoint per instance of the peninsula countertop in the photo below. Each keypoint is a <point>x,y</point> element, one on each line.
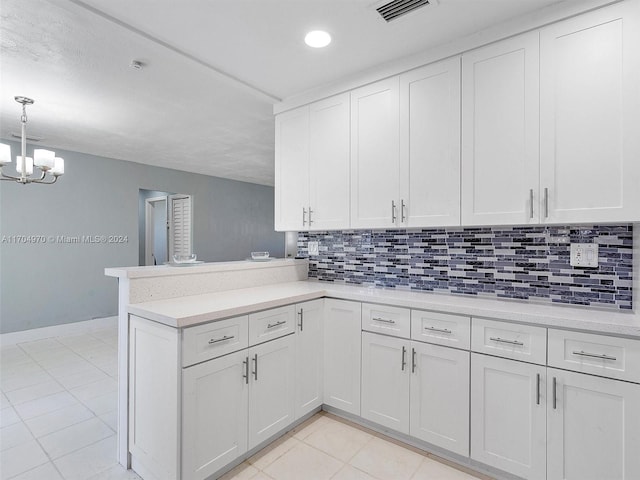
<point>196,309</point>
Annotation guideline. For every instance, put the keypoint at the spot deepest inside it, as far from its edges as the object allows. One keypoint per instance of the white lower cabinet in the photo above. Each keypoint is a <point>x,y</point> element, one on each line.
<point>439,396</point>
<point>417,389</point>
<point>593,427</point>
<point>342,355</point>
<point>385,381</point>
<point>271,389</point>
<point>508,415</point>
<point>215,398</point>
<point>309,355</point>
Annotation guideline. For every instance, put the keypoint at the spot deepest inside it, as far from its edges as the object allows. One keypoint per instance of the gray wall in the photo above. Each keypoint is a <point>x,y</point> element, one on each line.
<point>52,283</point>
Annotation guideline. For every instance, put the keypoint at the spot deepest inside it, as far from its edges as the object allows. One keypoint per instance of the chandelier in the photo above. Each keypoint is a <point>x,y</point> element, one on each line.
<point>51,167</point>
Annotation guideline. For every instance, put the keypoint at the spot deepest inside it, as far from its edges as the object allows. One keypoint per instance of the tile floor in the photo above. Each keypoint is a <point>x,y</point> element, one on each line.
<point>58,419</point>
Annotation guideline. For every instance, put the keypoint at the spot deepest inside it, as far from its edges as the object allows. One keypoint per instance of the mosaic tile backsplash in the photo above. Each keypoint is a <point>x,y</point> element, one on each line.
<point>529,263</point>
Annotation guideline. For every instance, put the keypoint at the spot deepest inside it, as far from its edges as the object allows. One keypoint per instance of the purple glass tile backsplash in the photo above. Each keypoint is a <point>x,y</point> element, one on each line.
<point>511,262</point>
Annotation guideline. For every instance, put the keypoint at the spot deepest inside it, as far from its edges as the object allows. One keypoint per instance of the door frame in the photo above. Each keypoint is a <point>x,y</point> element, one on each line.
<point>148,224</point>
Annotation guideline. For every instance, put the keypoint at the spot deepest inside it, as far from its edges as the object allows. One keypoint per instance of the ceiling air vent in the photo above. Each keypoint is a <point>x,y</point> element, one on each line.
<point>396,8</point>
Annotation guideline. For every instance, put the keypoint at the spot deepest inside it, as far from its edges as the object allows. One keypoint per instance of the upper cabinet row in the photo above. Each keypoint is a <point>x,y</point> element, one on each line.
<point>538,128</point>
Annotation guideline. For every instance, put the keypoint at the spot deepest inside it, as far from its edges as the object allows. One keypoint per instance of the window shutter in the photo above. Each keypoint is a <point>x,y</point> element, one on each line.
<point>181,225</point>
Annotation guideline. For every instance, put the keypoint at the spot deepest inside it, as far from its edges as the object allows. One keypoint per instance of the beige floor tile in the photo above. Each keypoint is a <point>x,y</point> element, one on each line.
<point>14,435</point>
<point>431,469</point>
<point>306,428</point>
<point>75,437</point>
<point>90,375</point>
<point>351,473</point>
<point>271,452</point>
<point>4,401</point>
<point>385,460</point>
<point>43,472</point>
<point>21,458</point>
<point>338,440</point>
<point>244,471</point>
<point>306,462</point>
<point>102,403</point>
<point>89,461</point>
<point>111,419</point>
<point>40,346</point>
<point>15,382</point>
<point>44,405</point>
<point>8,416</point>
<point>116,473</point>
<point>33,392</point>
<point>58,419</point>
<point>95,389</point>
<point>262,476</point>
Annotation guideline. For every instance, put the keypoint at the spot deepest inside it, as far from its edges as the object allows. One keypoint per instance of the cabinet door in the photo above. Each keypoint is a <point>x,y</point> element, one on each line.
<point>430,145</point>
<point>385,381</point>
<point>271,392</point>
<point>292,170</point>
<point>593,427</point>
<point>342,355</point>
<point>590,116</point>
<point>309,356</point>
<point>375,163</point>
<point>329,163</point>
<point>440,396</point>
<point>500,114</point>
<point>508,415</point>
<point>214,414</point>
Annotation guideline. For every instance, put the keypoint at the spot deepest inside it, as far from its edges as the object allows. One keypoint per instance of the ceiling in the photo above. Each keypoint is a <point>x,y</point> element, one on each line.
<point>213,70</point>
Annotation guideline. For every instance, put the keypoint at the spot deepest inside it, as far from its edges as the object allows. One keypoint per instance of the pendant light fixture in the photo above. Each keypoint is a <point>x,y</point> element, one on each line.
<point>50,166</point>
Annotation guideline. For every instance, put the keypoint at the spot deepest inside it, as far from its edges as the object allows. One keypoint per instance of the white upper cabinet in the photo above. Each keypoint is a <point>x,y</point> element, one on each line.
<point>375,172</point>
<point>329,164</point>
<point>500,115</point>
<point>430,145</point>
<point>292,170</point>
<point>590,116</point>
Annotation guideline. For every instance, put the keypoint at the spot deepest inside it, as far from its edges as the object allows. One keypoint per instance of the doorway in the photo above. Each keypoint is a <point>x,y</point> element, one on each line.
<point>156,231</point>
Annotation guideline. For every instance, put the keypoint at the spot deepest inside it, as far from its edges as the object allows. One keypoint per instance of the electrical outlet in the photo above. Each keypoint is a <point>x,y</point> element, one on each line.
<point>584,255</point>
<point>313,248</point>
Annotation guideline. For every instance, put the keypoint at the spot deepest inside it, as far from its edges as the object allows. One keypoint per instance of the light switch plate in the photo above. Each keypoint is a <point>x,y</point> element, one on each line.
<point>313,248</point>
<point>584,255</point>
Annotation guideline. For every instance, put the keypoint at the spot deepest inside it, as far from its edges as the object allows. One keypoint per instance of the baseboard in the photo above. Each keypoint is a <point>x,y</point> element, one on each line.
<point>75,328</point>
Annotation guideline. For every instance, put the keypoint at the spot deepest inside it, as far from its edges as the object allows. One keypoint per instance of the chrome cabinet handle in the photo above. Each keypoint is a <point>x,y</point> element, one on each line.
<point>442,330</point>
<point>595,355</point>
<point>304,216</point>
<point>383,320</point>
<point>531,203</point>
<point>537,389</point>
<point>510,342</point>
<point>245,364</point>
<point>546,203</point>
<point>393,211</point>
<point>277,324</point>
<point>413,360</point>
<point>403,217</point>
<point>310,212</point>
<point>404,361</point>
<point>555,390</point>
<point>255,367</point>
<point>301,314</point>
<point>216,340</point>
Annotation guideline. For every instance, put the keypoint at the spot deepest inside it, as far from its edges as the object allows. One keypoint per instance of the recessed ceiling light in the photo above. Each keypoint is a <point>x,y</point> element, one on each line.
<point>317,39</point>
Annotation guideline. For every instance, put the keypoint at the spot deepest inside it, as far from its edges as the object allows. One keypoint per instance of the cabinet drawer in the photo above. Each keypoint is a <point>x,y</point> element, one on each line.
<point>509,340</point>
<point>394,321</point>
<point>270,324</point>
<point>597,354</point>
<point>441,328</point>
<point>214,339</point>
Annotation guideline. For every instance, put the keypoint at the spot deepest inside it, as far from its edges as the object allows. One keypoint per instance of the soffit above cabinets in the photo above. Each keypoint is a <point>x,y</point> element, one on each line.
<point>212,70</point>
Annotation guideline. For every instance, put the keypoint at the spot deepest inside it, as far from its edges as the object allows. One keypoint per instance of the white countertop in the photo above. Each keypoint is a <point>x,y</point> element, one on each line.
<point>192,310</point>
<point>170,270</point>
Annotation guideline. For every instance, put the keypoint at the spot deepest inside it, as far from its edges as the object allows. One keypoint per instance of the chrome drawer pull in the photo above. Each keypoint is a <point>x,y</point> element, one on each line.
<point>404,362</point>
<point>277,324</point>
<point>595,355</point>
<point>245,363</point>
<point>216,340</point>
<point>537,389</point>
<point>510,342</point>
<point>413,360</point>
<point>384,320</point>
<point>555,393</point>
<point>442,330</point>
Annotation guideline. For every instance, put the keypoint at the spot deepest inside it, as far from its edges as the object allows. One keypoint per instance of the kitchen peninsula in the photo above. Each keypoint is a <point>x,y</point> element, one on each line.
<point>193,339</point>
